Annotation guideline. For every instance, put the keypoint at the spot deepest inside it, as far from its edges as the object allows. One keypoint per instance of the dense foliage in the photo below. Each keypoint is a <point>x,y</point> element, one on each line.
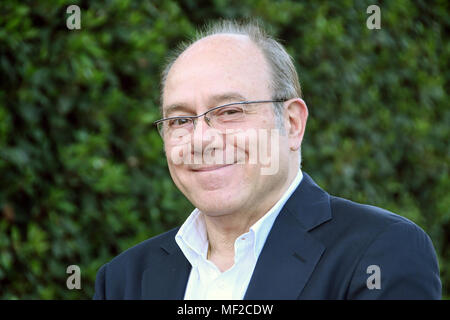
<point>82,172</point>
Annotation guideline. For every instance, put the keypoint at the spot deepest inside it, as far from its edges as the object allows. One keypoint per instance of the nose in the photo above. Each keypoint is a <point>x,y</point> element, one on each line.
<point>206,120</point>
<point>204,137</point>
<point>198,139</point>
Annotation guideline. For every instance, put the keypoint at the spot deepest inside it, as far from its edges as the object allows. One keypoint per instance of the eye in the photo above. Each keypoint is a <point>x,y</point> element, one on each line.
<point>179,122</point>
<point>231,112</point>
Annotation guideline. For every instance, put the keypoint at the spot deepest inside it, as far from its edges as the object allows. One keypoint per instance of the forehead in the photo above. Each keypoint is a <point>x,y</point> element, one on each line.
<point>218,64</point>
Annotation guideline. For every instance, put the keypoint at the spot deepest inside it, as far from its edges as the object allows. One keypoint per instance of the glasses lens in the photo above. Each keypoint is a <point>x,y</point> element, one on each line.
<point>175,130</point>
<point>160,126</point>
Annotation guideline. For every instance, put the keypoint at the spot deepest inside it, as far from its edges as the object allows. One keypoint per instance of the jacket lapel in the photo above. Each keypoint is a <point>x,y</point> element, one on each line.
<point>167,278</point>
<point>290,253</point>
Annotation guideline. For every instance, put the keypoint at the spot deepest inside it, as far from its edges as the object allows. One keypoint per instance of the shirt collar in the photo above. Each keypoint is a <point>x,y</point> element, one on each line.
<point>192,236</point>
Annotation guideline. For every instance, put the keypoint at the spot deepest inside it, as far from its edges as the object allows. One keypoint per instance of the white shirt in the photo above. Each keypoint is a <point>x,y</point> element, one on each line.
<point>206,281</point>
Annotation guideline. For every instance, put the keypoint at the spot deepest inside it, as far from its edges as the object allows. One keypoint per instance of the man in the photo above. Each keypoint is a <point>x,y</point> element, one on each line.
<point>261,229</point>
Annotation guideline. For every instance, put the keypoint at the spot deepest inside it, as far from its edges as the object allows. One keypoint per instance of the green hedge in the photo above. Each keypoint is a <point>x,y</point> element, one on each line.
<point>82,172</point>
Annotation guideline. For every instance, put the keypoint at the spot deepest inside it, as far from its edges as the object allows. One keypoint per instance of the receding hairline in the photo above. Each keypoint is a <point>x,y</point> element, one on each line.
<point>228,36</point>
<point>239,40</point>
<point>284,79</point>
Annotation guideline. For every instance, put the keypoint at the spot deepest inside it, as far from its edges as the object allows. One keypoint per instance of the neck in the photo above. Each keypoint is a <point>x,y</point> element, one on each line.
<point>224,230</point>
<point>222,233</point>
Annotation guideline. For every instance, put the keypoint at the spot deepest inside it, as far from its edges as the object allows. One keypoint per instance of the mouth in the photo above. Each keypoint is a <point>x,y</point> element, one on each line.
<point>210,168</point>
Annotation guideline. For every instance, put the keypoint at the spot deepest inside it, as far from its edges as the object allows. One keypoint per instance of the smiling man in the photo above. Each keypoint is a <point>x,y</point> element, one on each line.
<point>231,108</point>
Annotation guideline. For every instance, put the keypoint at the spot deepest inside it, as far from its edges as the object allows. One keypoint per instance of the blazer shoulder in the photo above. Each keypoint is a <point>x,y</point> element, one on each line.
<point>141,251</point>
<point>356,225</point>
<point>121,277</point>
<point>364,215</point>
<point>400,250</point>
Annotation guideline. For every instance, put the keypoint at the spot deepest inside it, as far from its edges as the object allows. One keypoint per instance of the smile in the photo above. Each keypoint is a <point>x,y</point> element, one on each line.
<point>210,168</point>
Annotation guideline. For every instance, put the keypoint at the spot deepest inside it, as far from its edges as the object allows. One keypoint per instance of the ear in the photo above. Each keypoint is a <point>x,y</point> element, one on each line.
<point>295,122</point>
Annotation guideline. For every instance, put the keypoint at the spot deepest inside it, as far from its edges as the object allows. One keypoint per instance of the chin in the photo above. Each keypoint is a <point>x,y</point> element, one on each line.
<point>216,203</point>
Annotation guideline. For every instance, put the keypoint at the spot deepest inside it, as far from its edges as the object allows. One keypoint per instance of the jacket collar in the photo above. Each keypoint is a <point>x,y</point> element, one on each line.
<point>310,205</point>
<point>167,277</point>
<point>285,264</point>
<point>290,254</point>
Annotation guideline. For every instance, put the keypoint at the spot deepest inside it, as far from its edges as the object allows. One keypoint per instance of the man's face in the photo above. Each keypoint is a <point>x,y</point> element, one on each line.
<point>214,71</point>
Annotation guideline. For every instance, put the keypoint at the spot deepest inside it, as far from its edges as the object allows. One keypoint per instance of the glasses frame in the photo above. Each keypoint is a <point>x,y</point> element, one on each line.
<point>194,118</point>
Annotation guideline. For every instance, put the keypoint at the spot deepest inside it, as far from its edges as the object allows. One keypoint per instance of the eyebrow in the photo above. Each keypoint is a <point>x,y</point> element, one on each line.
<point>213,101</point>
<point>224,97</point>
<point>176,107</point>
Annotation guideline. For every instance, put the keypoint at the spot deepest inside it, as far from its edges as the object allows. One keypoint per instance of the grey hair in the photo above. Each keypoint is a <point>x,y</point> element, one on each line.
<point>284,79</point>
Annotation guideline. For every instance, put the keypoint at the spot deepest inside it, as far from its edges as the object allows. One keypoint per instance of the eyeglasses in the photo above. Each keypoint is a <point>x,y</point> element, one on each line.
<point>227,116</point>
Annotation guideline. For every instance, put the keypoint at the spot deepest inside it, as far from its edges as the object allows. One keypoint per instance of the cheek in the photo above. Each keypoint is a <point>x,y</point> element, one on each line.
<point>174,172</point>
<point>175,165</point>
<point>178,154</point>
<point>255,146</point>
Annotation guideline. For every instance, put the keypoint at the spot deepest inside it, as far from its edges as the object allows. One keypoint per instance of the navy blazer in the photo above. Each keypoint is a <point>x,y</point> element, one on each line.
<point>320,247</point>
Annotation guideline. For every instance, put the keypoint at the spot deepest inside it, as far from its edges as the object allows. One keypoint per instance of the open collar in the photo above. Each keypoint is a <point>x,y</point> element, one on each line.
<point>285,264</point>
